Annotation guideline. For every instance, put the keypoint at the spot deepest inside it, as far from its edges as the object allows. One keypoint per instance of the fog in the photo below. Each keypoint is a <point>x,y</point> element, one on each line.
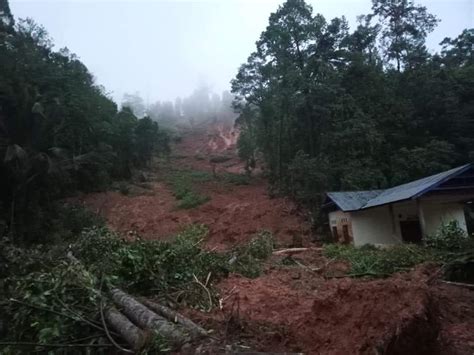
<point>165,49</point>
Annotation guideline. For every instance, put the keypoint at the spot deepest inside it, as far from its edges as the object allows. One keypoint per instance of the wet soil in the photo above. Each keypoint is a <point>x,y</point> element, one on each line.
<point>305,306</point>
<point>233,213</point>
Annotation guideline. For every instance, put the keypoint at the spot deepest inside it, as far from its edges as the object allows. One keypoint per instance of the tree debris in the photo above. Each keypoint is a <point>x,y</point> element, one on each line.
<point>145,318</point>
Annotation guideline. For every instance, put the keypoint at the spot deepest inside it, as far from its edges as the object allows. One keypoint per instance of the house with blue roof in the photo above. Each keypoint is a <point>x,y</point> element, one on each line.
<point>404,213</point>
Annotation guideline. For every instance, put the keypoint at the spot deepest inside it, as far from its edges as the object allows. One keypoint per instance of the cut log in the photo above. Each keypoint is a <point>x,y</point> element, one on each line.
<point>459,284</point>
<point>194,329</point>
<point>145,318</point>
<point>292,251</point>
<point>133,335</point>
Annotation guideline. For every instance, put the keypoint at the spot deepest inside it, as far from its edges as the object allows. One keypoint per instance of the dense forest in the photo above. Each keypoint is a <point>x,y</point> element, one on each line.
<point>334,109</point>
<point>59,131</point>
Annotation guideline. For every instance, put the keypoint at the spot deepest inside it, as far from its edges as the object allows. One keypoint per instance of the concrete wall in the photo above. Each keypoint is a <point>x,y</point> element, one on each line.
<point>339,219</point>
<point>380,225</point>
<point>436,213</point>
<point>374,226</point>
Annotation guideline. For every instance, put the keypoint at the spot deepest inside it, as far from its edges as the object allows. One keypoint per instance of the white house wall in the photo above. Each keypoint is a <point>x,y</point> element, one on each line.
<point>338,219</point>
<point>436,213</point>
<point>374,226</point>
<point>377,226</point>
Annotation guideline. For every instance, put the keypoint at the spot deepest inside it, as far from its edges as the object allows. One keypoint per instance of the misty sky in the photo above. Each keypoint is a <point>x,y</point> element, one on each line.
<point>164,49</point>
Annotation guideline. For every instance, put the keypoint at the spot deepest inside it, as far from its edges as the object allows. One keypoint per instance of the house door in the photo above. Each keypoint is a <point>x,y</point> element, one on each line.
<point>335,234</point>
<point>411,231</point>
<point>345,234</point>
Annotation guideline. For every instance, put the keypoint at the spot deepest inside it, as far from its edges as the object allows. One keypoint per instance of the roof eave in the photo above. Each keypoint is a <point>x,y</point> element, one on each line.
<point>428,189</point>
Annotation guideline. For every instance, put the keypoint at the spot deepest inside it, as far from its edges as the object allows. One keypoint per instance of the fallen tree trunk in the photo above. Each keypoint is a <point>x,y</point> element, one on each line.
<point>292,251</point>
<point>195,330</point>
<point>133,335</point>
<point>145,318</point>
<point>459,284</point>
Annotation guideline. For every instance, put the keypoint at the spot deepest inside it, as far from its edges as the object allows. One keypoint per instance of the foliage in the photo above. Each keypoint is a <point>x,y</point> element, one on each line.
<point>54,306</point>
<point>56,300</point>
<point>331,109</point>
<point>461,267</point>
<point>59,131</point>
<point>380,262</point>
<point>449,237</point>
<point>236,179</point>
<point>183,184</point>
<point>247,259</point>
<point>192,199</point>
<point>148,267</point>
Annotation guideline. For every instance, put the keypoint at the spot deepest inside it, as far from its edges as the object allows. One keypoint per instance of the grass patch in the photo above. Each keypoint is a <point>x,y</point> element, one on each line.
<point>371,261</point>
<point>183,185</point>
<point>450,246</point>
<point>236,179</point>
<point>192,200</point>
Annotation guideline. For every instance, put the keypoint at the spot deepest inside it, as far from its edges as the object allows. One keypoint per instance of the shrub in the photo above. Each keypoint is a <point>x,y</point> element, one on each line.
<point>248,259</point>
<point>379,262</point>
<point>57,300</point>
<point>449,237</point>
<point>124,188</point>
<point>191,200</point>
<point>182,183</point>
<point>237,179</point>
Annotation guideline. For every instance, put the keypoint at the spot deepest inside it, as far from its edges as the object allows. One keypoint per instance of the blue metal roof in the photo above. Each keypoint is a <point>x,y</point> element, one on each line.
<point>352,200</point>
<point>358,200</point>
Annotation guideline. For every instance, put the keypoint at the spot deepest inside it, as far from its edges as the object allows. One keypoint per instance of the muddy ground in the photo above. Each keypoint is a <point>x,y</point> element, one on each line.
<point>304,307</point>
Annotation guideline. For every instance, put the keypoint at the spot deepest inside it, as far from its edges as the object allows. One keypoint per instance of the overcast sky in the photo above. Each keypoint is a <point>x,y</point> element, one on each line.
<point>165,48</point>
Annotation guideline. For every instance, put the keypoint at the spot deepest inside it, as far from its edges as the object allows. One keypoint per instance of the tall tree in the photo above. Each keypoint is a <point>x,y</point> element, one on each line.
<point>135,103</point>
<point>404,28</point>
<point>6,18</point>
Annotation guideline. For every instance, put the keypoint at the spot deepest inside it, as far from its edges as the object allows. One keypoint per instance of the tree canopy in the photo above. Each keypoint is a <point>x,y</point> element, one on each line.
<point>334,109</point>
<point>59,131</point>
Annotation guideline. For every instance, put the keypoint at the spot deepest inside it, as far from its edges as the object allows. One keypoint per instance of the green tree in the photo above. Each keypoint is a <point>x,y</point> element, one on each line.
<point>404,28</point>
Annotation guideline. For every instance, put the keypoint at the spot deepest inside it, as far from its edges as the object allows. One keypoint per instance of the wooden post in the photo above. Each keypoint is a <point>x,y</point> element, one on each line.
<point>421,217</point>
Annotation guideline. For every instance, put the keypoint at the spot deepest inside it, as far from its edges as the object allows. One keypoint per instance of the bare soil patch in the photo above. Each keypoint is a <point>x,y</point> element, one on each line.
<point>233,214</point>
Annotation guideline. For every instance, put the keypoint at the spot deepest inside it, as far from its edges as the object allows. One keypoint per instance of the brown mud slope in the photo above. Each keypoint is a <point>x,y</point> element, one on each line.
<point>233,213</point>
<point>291,308</point>
<point>340,316</point>
<point>456,319</point>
